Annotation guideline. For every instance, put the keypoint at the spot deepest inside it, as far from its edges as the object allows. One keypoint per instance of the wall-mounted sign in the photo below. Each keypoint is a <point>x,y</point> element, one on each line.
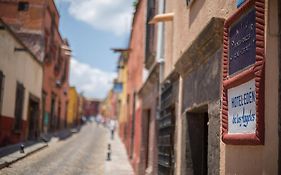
<point>242,108</point>
<point>243,76</point>
<point>118,87</point>
<point>239,3</point>
<point>242,42</point>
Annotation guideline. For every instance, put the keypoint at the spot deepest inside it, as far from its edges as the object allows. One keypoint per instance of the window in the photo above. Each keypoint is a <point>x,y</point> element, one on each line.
<point>1,89</point>
<point>150,35</point>
<point>189,2</point>
<point>19,106</point>
<point>23,6</point>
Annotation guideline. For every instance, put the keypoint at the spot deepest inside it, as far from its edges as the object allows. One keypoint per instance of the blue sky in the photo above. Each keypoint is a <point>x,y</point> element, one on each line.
<point>93,27</point>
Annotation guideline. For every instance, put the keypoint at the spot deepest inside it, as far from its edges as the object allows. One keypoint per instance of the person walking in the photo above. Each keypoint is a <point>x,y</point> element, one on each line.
<point>112,127</point>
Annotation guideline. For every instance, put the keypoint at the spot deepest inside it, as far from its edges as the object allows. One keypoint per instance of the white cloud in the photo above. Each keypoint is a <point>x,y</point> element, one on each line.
<point>108,15</point>
<point>93,82</point>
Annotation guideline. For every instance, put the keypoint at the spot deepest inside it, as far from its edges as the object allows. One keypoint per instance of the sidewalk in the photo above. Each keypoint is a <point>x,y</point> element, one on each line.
<point>11,154</point>
<point>119,164</point>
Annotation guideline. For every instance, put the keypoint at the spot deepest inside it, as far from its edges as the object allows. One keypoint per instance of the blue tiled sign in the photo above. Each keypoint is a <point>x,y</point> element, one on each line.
<point>118,87</point>
<point>239,3</point>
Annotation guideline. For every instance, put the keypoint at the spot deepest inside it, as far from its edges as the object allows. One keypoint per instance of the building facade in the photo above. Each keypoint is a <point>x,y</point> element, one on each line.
<point>37,24</point>
<point>210,102</point>
<point>73,107</point>
<point>197,48</point>
<point>21,78</point>
<point>134,83</point>
<point>121,80</point>
<point>91,107</point>
<point>149,93</point>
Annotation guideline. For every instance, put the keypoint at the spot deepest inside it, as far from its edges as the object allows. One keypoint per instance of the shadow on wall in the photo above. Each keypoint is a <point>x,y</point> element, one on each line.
<point>239,159</point>
<point>196,6</point>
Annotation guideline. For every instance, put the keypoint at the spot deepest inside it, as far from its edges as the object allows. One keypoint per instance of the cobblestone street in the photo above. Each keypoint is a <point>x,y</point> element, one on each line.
<point>83,153</point>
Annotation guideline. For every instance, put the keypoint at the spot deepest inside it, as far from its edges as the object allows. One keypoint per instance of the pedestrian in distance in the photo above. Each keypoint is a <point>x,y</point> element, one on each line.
<point>112,126</point>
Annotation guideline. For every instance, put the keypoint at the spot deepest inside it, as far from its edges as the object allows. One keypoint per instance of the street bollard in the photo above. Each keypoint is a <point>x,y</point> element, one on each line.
<point>108,152</point>
<point>21,148</point>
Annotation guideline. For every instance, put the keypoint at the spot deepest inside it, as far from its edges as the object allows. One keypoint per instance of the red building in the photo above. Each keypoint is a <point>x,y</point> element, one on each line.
<point>135,80</point>
<point>36,22</point>
<point>91,107</point>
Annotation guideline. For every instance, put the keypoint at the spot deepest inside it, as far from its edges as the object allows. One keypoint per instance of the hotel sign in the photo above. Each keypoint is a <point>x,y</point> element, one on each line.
<point>243,75</point>
<point>242,108</point>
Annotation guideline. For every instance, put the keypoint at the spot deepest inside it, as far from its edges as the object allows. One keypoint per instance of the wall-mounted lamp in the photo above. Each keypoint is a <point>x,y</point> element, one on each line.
<point>58,83</point>
<point>120,67</point>
<point>65,47</point>
<point>68,53</point>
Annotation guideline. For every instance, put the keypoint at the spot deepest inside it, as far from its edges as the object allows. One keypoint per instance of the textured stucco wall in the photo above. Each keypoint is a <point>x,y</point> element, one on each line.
<point>72,106</point>
<point>21,67</point>
<point>135,80</point>
<point>149,101</point>
<point>179,35</point>
<point>202,88</point>
<point>187,24</point>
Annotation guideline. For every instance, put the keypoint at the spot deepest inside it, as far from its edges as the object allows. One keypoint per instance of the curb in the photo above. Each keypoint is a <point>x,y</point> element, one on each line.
<point>5,164</point>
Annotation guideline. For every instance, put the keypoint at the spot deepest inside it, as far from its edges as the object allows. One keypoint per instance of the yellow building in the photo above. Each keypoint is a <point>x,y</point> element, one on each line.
<point>122,97</point>
<point>72,111</point>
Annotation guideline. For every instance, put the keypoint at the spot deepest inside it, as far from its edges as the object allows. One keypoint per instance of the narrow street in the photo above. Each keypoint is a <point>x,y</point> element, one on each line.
<point>83,153</point>
<point>190,87</point>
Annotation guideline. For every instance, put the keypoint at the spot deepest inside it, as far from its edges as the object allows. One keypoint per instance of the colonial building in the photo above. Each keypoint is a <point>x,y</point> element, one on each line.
<point>36,23</point>
<point>73,107</point>
<point>226,57</point>
<point>134,83</point>
<point>91,107</point>
<point>21,78</point>
<point>150,92</point>
<point>121,90</point>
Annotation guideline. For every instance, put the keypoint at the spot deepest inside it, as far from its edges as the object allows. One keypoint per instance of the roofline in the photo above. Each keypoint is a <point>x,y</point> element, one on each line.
<point>56,8</point>
<point>116,50</point>
<point>94,99</point>
<point>21,42</point>
<point>133,22</point>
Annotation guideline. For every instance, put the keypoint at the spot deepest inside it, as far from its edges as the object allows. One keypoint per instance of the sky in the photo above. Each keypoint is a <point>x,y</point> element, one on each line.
<point>92,28</point>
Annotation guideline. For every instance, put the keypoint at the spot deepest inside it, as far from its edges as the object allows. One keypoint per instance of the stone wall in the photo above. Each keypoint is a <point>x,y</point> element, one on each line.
<point>201,93</point>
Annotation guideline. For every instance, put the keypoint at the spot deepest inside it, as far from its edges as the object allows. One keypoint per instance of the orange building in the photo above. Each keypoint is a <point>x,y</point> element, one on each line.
<point>134,83</point>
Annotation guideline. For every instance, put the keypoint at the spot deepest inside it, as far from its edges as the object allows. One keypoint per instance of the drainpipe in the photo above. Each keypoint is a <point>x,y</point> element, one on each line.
<point>160,53</point>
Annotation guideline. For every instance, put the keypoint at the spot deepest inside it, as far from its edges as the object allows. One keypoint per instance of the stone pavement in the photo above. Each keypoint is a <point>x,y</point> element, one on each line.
<point>11,154</point>
<point>81,154</point>
<point>15,155</point>
<point>119,164</point>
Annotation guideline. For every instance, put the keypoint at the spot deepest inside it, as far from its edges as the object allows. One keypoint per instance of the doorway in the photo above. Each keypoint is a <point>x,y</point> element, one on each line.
<point>43,123</point>
<point>33,118</point>
<point>147,136</point>
<point>279,129</point>
<point>133,125</point>
<point>58,122</point>
<point>197,143</point>
<point>52,116</point>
